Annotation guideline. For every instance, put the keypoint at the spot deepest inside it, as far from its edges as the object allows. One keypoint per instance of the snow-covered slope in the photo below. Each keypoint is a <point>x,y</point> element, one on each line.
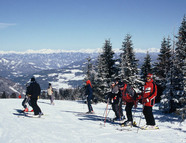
<point>65,122</point>
<point>8,87</point>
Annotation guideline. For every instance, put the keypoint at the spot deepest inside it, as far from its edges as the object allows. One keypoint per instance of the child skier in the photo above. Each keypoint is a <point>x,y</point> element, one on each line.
<point>26,101</point>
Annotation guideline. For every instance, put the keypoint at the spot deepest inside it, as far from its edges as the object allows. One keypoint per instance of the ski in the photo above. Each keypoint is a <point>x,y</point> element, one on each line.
<point>149,128</point>
<point>33,116</point>
<point>20,114</point>
<point>124,129</point>
<point>26,115</point>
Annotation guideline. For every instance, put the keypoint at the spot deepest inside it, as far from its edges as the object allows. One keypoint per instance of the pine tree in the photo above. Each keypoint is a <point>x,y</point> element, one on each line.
<point>88,69</point>
<point>179,93</point>
<point>180,52</point>
<point>146,67</point>
<point>99,85</point>
<point>163,65</point>
<point>128,62</point>
<point>174,97</point>
<point>105,69</point>
<point>166,105</point>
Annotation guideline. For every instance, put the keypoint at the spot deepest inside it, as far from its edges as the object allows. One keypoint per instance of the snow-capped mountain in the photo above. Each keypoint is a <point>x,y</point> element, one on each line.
<point>8,87</point>
<point>62,68</point>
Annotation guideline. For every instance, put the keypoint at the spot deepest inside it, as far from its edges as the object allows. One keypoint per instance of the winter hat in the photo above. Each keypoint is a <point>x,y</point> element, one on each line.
<point>112,82</point>
<point>150,75</point>
<point>120,84</point>
<point>117,79</point>
<point>33,79</point>
<point>88,82</point>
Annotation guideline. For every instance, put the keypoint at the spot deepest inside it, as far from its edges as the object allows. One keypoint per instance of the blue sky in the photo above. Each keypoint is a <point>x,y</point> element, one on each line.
<point>86,24</point>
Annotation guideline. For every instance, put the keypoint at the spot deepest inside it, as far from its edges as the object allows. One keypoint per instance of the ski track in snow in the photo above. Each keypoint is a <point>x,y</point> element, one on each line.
<point>66,122</point>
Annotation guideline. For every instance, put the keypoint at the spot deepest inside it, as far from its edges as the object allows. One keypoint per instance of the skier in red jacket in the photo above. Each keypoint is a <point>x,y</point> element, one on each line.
<point>129,97</point>
<point>148,100</point>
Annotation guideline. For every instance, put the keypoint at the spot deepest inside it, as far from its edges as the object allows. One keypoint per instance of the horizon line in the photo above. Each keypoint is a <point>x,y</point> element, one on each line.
<point>99,50</point>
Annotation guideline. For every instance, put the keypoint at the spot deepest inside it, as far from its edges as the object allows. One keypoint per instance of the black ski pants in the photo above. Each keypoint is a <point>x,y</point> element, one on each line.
<point>90,109</point>
<point>128,109</point>
<point>26,100</point>
<point>117,108</point>
<point>147,111</point>
<point>35,107</point>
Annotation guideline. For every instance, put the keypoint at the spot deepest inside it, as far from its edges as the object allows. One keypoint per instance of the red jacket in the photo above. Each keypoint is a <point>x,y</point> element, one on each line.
<point>127,94</point>
<point>149,93</point>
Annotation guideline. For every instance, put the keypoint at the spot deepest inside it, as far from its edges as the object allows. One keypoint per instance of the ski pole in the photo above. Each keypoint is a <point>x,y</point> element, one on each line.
<point>106,114</point>
<point>109,110</point>
<point>135,106</point>
<point>105,107</point>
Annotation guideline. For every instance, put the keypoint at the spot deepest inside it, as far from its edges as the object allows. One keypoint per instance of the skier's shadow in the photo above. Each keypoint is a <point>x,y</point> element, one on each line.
<point>44,102</point>
<point>91,117</point>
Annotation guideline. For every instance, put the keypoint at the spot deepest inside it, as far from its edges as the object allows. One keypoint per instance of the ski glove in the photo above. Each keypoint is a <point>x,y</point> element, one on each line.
<point>145,100</point>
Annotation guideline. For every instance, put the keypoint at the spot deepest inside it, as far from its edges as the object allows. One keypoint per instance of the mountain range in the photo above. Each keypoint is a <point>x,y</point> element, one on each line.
<point>64,69</point>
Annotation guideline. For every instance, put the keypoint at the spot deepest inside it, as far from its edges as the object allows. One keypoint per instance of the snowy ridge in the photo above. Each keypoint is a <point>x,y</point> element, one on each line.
<point>66,122</point>
<point>98,50</point>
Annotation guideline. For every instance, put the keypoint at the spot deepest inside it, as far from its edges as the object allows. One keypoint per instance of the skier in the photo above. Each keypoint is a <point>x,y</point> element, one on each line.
<point>88,93</point>
<point>50,93</point>
<point>34,91</point>
<point>115,99</point>
<point>148,100</point>
<point>129,97</point>
<point>26,100</point>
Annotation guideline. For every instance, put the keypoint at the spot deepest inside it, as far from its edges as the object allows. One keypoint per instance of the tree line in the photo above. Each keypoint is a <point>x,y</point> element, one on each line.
<point>169,71</point>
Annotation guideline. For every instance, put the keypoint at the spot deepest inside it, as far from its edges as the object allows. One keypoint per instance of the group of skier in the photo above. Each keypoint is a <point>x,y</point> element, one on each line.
<point>120,92</point>
<point>123,92</point>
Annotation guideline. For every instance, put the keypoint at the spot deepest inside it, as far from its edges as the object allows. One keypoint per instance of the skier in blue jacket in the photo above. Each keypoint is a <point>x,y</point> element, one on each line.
<point>89,96</point>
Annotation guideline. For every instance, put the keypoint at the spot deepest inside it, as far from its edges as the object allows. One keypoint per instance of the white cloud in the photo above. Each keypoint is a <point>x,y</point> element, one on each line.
<point>5,25</point>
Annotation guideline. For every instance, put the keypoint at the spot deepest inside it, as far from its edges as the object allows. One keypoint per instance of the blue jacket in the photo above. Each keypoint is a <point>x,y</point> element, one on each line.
<point>89,91</point>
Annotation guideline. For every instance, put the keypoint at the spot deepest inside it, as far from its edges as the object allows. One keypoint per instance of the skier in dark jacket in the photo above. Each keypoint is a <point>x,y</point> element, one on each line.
<point>89,96</point>
<point>26,100</point>
<point>116,101</point>
<point>34,91</point>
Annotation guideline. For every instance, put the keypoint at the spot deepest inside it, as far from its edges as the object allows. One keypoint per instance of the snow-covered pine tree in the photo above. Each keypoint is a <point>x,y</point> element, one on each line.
<point>166,104</point>
<point>162,67</point>
<point>179,93</point>
<point>174,97</point>
<point>146,67</point>
<point>90,74</point>
<point>88,69</point>
<point>128,62</point>
<point>99,82</point>
<point>105,68</point>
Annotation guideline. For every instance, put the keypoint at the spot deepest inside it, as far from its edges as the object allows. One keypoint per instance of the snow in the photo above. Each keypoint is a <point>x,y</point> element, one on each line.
<point>65,122</point>
<point>62,80</point>
<point>13,89</point>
